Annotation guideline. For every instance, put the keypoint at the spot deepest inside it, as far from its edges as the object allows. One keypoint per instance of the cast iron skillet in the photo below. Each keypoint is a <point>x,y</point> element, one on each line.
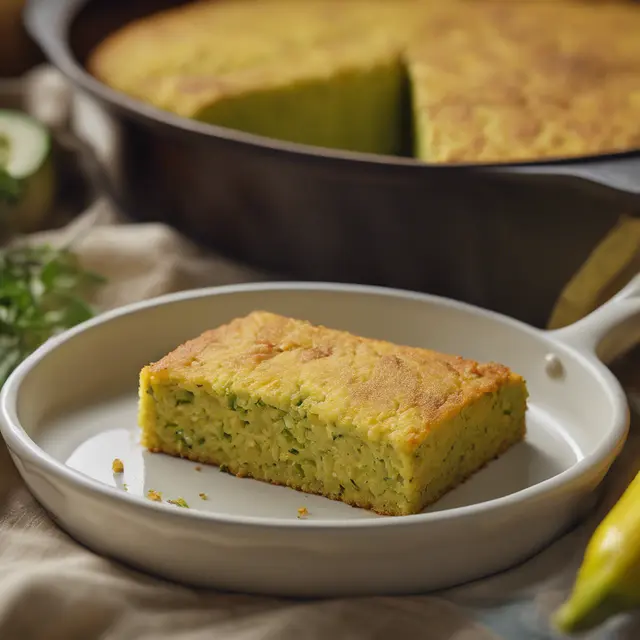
<point>472,232</point>
<point>50,23</point>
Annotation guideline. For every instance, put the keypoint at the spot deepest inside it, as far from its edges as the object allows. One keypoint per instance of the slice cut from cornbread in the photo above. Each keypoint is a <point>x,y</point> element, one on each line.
<point>377,425</point>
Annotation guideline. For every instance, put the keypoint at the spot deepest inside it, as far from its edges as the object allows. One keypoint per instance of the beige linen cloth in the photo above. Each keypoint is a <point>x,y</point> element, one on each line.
<point>52,588</point>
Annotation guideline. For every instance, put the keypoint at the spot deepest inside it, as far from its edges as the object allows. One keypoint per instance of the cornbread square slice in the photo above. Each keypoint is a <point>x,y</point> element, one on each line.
<point>385,427</point>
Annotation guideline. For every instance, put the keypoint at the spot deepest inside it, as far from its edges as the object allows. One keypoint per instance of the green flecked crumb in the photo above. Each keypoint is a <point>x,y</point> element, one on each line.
<point>203,496</point>
<point>179,502</point>
<point>181,438</point>
<point>187,398</point>
<point>125,486</point>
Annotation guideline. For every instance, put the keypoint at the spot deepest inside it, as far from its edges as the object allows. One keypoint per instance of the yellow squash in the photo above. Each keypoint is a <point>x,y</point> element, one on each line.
<point>608,581</point>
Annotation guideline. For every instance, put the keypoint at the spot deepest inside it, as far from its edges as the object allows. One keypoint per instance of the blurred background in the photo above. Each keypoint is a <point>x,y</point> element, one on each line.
<point>18,53</point>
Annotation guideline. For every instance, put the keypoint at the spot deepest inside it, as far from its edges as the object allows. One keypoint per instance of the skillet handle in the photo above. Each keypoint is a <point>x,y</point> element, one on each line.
<point>620,174</point>
<point>610,330</point>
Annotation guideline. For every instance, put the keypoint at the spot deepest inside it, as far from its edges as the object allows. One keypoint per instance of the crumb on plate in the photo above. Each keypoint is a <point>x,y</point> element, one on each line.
<point>117,466</point>
<point>303,512</point>
<point>125,486</point>
<point>179,502</point>
<point>198,468</point>
<point>204,496</point>
<point>156,496</point>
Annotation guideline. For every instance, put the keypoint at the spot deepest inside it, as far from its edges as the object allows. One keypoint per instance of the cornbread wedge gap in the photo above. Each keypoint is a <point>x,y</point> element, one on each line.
<point>357,109</point>
<point>370,423</point>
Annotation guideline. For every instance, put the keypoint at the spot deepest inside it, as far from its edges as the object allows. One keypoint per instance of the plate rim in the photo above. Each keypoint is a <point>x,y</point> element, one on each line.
<point>23,446</point>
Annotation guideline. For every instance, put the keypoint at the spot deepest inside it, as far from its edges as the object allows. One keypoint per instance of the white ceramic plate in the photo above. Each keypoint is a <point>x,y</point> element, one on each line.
<point>70,409</point>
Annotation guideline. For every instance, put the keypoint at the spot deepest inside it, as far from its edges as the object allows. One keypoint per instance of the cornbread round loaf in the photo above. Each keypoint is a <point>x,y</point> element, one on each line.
<point>455,81</point>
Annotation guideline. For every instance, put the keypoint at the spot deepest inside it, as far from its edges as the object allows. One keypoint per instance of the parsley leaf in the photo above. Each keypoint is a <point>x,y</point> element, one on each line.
<point>42,293</point>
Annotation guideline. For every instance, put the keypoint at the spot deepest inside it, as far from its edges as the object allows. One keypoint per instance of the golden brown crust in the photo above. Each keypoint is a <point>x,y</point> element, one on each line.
<point>507,81</point>
<point>167,58</point>
<point>372,384</point>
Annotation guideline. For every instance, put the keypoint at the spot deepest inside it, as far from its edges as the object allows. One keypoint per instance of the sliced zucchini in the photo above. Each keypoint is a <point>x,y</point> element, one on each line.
<point>27,177</point>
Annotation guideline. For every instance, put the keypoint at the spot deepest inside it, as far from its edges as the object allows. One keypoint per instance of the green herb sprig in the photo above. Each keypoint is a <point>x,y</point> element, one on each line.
<point>42,293</point>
